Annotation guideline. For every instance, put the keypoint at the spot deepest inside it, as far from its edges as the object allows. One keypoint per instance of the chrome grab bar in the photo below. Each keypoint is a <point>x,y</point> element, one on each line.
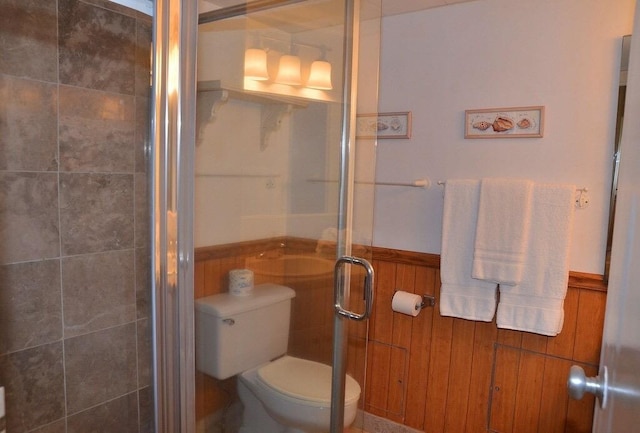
<point>368,287</point>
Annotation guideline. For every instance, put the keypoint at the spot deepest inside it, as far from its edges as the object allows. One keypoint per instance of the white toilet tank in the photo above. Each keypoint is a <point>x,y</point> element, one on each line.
<point>237,333</point>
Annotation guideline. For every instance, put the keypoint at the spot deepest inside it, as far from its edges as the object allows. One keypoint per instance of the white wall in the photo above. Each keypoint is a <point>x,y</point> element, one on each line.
<point>145,6</point>
<point>240,189</point>
<point>233,201</point>
<point>248,188</point>
<point>437,63</point>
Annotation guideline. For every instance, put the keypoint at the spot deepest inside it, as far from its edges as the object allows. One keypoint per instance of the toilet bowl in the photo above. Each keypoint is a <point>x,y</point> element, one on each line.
<point>248,336</point>
<point>295,396</point>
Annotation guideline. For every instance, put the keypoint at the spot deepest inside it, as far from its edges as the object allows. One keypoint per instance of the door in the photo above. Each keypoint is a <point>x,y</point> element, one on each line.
<point>618,383</point>
<point>281,188</point>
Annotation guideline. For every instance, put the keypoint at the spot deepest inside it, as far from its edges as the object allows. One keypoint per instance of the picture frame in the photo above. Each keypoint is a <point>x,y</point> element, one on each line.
<point>514,122</point>
<point>384,125</point>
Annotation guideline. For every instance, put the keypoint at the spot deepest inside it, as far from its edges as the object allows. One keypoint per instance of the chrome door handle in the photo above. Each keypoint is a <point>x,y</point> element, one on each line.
<point>578,383</point>
<point>368,287</point>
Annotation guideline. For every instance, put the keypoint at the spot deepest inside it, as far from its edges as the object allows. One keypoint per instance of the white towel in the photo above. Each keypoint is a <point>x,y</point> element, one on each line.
<point>460,295</point>
<point>536,304</point>
<point>504,215</point>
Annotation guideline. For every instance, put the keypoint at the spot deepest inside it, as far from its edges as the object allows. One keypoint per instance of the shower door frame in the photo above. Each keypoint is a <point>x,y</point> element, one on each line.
<point>172,154</point>
<point>173,134</point>
<point>345,213</point>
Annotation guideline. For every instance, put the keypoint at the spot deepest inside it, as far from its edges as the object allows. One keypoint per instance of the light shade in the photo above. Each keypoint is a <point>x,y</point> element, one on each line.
<point>289,71</point>
<point>255,64</point>
<point>320,75</point>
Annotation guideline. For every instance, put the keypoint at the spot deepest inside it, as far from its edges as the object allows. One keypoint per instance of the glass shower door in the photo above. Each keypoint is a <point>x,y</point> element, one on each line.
<point>282,186</point>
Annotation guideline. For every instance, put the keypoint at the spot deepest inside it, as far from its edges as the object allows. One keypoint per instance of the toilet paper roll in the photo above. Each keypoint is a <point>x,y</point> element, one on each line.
<point>240,282</point>
<point>406,303</point>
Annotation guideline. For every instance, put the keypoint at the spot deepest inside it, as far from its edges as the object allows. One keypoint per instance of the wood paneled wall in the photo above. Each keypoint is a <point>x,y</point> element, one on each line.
<point>440,374</point>
<point>432,373</point>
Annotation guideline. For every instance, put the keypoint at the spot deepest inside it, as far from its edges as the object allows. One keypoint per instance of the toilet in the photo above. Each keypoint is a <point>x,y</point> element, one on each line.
<point>248,336</point>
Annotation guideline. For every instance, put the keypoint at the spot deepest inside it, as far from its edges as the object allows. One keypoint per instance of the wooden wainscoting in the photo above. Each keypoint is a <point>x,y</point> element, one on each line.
<point>440,374</point>
<point>432,373</point>
<point>211,276</point>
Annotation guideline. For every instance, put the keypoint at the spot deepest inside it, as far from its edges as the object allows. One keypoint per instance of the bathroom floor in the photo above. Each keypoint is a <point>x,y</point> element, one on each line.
<point>376,424</point>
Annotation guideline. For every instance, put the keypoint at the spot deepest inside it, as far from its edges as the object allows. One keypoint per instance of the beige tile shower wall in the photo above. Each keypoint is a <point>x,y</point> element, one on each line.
<point>74,236</point>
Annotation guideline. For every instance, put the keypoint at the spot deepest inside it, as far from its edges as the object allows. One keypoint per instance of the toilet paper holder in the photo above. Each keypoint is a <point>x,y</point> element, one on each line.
<point>428,301</point>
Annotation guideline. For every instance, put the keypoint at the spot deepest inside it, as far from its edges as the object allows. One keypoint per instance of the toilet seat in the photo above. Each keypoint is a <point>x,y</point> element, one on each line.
<point>308,382</point>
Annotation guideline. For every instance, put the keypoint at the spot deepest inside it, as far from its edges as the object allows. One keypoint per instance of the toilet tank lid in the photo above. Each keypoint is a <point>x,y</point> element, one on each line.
<point>262,295</point>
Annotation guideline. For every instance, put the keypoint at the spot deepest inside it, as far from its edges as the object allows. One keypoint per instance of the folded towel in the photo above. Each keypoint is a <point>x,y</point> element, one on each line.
<point>502,231</point>
<point>536,303</point>
<point>460,295</point>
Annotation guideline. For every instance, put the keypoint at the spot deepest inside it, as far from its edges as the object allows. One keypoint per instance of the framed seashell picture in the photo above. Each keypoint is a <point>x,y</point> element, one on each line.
<point>384,125</point>
<point>504,122</point>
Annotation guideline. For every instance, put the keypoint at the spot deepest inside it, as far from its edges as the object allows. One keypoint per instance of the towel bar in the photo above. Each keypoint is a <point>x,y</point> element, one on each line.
<point>582,196</point>
<point>583,189</point>
<point>418,183</point>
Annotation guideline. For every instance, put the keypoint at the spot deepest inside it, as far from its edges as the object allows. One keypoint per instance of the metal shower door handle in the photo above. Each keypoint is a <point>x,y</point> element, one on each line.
<point>368,287</point>
<point>578,383</point>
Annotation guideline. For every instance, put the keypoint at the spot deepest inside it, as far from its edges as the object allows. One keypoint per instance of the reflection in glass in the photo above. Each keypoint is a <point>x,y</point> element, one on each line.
<point>263,146</point>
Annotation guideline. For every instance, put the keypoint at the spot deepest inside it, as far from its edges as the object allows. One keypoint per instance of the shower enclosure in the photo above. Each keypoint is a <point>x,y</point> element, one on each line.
<point>257,165</point>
